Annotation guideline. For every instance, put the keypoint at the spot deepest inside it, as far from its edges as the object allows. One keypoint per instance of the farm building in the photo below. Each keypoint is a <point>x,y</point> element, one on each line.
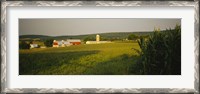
<point>97,41</point>
<point>34,46</point>
<point>55,43</point>
<point>74,41</point>
<point>64,43</point>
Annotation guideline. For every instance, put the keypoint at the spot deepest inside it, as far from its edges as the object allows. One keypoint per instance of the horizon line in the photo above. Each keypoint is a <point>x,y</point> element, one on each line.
<point>86,34</point>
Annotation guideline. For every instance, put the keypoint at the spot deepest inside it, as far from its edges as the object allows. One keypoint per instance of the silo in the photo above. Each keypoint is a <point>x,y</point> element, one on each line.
<point>97,38</point>
<point>63,43</point>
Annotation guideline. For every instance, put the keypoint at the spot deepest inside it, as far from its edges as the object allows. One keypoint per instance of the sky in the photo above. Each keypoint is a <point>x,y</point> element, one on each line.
<point>81,26</point>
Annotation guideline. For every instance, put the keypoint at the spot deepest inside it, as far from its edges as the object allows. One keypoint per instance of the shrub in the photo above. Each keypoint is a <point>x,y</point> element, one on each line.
<point>88,38</point>
<point>132,37</point>
<point>24,45</point>
<point>161,53</point>
<point>48,42</point>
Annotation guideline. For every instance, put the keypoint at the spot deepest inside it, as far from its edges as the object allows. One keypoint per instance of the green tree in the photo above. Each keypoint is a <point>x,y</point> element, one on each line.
<point>88,38</point>
<point>24,45</point>
<point>104,39</point>
<point>48,42</point>
<point>132,37</point>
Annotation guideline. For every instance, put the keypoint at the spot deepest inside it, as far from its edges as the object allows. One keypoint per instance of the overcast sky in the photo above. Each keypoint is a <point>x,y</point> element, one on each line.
<point>78,26</point>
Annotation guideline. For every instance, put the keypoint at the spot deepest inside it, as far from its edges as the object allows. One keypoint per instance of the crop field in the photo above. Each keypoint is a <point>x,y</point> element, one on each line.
<point>92,59</point>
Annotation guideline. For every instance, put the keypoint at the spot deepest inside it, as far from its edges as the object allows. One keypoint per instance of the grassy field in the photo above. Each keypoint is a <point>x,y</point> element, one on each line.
<point>92,59</point>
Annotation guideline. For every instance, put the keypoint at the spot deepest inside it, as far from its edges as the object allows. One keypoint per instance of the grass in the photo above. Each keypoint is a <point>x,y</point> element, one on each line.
<point>93,59</point>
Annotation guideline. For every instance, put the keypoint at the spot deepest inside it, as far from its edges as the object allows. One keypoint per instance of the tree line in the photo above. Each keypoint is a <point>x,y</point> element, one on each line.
<point>26,44</point>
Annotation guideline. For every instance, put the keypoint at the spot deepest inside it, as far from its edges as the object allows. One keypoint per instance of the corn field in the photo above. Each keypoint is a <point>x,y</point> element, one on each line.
<point>161,53</point>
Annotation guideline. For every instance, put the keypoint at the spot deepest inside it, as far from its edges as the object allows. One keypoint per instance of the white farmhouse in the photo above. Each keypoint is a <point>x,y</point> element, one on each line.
<point>33,46</point>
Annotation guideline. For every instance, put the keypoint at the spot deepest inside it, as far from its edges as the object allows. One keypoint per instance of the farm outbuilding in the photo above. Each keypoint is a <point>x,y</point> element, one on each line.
<point>74,41</point>
<point>97,41</point>
<point>34,46</point>
<point>55,43</point>
<point>64,43</point>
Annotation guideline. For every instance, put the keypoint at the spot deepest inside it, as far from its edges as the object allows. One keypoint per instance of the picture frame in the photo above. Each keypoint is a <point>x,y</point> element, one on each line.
<point>4,48</point>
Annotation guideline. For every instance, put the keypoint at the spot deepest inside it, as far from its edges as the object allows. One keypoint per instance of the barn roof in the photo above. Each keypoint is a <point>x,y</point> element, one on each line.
<point>68,40</point>
<point>34,45</point>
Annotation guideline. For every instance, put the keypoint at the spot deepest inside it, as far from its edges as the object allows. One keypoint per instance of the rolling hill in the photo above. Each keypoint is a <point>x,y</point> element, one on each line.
<point>115,35</point>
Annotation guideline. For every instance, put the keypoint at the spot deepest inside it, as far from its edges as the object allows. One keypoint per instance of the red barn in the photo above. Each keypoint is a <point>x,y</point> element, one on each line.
<point>74,41</point>
<point>55,43</point>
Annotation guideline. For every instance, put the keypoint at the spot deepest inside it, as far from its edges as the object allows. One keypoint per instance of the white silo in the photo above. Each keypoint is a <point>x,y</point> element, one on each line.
<point>97,37</point>
<point>63,43</point>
